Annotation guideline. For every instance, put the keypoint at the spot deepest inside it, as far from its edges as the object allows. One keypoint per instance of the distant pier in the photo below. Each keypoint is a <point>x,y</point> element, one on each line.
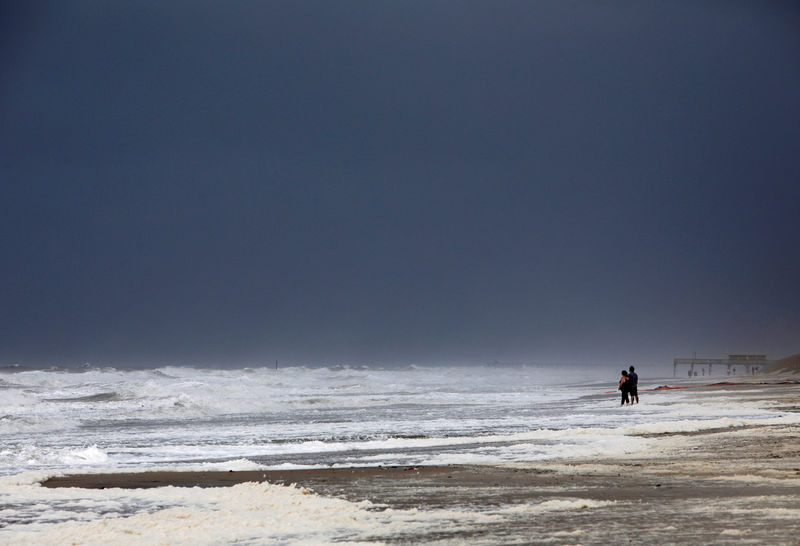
<point>735,364</point>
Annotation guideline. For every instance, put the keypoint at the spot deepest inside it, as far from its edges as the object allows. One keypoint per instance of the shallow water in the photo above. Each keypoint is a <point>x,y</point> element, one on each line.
<point>178,417</point>
<point>315,416</point>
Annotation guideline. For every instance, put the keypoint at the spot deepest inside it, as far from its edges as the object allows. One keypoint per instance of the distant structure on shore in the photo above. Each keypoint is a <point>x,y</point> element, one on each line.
<point>735,364</point>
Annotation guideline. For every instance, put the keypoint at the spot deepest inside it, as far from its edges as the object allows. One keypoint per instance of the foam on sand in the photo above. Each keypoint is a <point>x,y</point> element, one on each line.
<point>260,512</point>
<point>207,515</point>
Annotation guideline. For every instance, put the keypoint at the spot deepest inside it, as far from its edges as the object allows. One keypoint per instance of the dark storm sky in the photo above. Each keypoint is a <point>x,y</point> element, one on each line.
<point>398,182</point>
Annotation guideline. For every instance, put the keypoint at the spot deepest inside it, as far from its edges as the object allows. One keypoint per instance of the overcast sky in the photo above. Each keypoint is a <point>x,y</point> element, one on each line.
<point>228,183</point>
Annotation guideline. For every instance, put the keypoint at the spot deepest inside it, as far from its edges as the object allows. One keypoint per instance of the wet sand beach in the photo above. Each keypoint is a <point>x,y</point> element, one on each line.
<point>738,485</point>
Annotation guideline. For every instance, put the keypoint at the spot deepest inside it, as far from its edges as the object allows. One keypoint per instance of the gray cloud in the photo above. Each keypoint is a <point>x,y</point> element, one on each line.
<point>424,182</point>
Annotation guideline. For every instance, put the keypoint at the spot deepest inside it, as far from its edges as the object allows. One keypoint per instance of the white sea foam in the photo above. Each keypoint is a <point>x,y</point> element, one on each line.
<point>735,532</point>
<point>184,418</point>
<point>554,505</point>
<point>22,455</point>
<point>344,416</point>
<point>245,512</point>
<point>260,512</point>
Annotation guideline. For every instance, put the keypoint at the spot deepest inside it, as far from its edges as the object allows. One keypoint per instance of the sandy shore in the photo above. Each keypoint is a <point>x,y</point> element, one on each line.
<point>734,485</point>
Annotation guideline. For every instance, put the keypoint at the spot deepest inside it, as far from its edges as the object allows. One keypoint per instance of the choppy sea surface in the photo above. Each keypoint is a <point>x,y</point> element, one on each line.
<point>58,421</point>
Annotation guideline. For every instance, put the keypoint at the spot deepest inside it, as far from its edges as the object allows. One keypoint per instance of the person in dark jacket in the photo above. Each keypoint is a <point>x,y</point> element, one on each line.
<point>624,387</point>
<point>633,388</point>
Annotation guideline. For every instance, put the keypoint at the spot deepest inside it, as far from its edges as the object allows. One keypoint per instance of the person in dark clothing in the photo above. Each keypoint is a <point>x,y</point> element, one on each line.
<point>624,383</point>
<point>633,388</point>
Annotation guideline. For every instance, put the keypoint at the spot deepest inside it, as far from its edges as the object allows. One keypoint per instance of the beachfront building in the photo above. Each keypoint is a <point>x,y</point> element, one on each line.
<point>735,364</point>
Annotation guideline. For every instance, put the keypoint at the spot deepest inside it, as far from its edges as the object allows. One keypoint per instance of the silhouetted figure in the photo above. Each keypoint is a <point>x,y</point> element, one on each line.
<point>633,379</point>
<point>624,387</point>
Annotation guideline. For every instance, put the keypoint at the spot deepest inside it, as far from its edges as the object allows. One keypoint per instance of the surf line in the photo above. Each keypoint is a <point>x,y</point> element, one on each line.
<point>721,384</point>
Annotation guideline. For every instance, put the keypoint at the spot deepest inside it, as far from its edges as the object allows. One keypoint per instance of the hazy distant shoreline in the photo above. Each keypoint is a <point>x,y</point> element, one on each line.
<point>789,364</point>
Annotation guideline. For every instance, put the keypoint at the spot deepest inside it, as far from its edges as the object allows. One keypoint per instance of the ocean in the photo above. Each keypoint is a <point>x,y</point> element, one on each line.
<point>61,421</point>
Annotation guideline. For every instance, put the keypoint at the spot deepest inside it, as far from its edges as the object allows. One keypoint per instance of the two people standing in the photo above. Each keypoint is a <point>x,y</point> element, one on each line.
<point>629,385</point>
